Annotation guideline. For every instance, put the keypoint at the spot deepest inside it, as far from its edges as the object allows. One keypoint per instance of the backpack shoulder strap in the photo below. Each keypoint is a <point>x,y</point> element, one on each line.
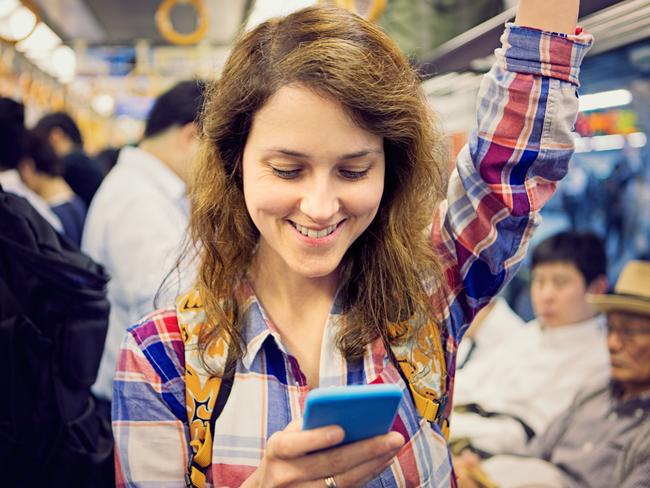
<point>206,389</point>
<point>421,363</point>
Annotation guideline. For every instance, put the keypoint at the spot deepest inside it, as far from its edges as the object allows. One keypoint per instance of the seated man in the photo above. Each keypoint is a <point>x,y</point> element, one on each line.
<point>603,439</point>
<point>507,395</point>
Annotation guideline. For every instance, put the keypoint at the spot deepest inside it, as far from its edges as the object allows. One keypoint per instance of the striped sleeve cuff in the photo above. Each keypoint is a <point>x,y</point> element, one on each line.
<point>527,50</point>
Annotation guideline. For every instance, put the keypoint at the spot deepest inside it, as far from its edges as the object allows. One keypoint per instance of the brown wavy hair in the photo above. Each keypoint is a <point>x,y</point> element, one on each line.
<point>341,56</point>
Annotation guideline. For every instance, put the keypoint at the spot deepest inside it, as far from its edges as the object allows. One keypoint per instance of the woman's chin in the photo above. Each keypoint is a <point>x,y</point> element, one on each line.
<point>315,269</point>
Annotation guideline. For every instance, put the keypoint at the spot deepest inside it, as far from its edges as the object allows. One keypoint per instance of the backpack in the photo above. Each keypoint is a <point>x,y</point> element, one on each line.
<point>53,322</point>
<point>207,395</point>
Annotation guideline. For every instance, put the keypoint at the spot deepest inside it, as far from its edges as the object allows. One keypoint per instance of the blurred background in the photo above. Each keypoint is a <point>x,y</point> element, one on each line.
<point>105,61</point>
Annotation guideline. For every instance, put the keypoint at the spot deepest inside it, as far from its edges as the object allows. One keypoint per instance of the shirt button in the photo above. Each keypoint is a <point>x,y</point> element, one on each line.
<point>587,447</point>
<point>638,413</point>
<point>612,416</point>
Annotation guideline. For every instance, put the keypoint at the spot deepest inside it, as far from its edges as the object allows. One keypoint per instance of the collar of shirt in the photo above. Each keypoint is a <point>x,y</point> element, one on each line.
<point>12,182</point>
<point>256,325</point>
<point>10,178</point>
<point>636,406</point>
<point>154,170</point>
<point>571,332</point>
<point>257,329</point>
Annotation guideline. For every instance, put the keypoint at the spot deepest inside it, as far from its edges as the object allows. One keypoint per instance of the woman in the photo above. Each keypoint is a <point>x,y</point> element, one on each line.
<point>319,174</point>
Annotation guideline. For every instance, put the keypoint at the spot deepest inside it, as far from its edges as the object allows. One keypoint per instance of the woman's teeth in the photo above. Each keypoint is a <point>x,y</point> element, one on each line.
<point>314,233</point>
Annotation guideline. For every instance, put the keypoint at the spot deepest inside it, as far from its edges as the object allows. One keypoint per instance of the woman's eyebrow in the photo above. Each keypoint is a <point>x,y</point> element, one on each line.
<point>360,154</point>
<point>288,152</point>
<point>345,157</point>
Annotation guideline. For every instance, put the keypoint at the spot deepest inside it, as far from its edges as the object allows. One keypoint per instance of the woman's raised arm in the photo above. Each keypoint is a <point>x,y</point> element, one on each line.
<point>516,155</point>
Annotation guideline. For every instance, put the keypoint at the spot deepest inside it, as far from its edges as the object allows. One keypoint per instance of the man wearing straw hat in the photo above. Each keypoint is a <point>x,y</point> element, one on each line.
<point>603,439</point>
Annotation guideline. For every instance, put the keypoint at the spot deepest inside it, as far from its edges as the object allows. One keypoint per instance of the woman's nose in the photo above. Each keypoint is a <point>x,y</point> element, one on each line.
<point>320,202</point>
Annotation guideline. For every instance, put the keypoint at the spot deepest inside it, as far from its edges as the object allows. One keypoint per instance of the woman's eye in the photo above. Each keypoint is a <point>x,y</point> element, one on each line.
<point>286,174</point>
<point>353,175</point>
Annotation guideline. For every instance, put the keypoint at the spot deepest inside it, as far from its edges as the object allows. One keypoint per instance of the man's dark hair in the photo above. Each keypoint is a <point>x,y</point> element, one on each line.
<point>583,249</point>
<point>62,121</point>
<point>39,150</point>
<point>12,131</point>
<point>178,106</point>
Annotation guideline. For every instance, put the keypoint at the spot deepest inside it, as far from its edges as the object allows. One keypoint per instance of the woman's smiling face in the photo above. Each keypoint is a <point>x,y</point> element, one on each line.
<point>313,181</point>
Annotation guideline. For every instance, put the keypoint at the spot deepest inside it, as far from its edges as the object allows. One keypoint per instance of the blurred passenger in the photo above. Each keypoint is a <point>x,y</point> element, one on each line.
<point>42,171</point>
<point>506,397</point>
<point>637,230</point>
<point>614,188</point>
<point>52,299</point>
<point>573,191</point>
<point>603,439</point>
<point>137,220</point>
<point>491,326</point>
<point>80,172</point>
<point>12,147</point>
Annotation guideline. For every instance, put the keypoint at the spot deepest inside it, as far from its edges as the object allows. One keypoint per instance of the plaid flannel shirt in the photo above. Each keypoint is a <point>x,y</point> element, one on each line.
<point>521,147</point>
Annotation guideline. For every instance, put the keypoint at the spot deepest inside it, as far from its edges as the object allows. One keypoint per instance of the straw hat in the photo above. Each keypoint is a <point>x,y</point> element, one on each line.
<point>631,293</point>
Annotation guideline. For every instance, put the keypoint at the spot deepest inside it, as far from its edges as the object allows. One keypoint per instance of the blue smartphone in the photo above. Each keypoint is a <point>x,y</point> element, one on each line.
<point>363,411</point>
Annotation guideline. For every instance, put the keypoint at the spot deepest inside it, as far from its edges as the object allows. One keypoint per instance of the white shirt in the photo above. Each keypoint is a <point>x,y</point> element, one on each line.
<point>534,375</point>
<point>11,182</point>
<point>135,227</point>
<point>498,326</point>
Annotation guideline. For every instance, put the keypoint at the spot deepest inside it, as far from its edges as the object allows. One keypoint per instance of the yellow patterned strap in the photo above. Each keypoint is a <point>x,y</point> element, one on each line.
<point>422,363</point>
<point>431,408</point>
<point>200,405</point>
<point>201,390</point>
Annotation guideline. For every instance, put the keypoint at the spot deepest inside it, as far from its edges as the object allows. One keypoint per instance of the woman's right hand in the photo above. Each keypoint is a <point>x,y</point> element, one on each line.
<point>290,461</point>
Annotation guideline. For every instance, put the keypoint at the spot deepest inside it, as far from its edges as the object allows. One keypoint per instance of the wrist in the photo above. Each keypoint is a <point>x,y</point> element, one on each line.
<point>549,15</point>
